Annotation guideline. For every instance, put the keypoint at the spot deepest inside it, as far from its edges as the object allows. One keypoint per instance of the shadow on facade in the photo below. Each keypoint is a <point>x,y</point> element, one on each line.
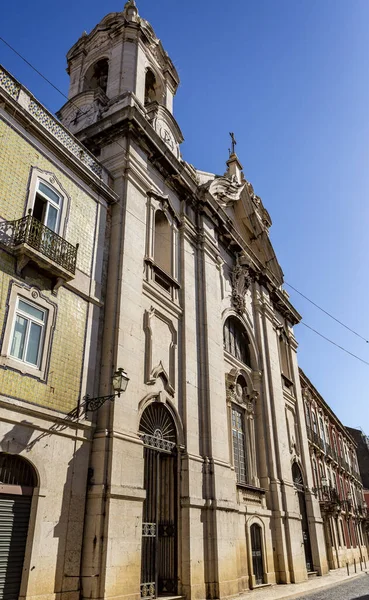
<point>17,439</point>
<point>19,479</point>
<point>69,529</point>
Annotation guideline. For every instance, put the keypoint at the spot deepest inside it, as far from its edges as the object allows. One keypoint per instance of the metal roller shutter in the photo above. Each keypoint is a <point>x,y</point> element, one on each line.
<point>14,520</point>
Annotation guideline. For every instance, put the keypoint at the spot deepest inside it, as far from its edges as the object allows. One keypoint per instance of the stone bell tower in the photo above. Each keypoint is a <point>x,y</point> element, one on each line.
<point>122,85</point>
<point>120,64</point>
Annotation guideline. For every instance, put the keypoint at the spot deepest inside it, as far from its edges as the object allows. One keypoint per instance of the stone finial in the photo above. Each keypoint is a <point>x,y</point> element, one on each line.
<point>130,10</point>
<point>234,168</point>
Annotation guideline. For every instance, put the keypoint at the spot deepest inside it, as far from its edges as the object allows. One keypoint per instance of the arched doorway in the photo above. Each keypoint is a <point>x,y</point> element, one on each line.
<point>17,482</point>
<point>257,553</point>
<point>300,490</point>
<point>159,519</point>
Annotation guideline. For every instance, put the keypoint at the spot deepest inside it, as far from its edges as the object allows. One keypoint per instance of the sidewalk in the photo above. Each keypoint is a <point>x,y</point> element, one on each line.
<point>293,590</point>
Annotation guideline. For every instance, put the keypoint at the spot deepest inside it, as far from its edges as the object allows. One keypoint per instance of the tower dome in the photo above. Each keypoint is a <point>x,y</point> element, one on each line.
<point>121,63</point>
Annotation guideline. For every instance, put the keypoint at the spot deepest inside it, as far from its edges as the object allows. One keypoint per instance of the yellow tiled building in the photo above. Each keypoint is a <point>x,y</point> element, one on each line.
<point>54,205</point>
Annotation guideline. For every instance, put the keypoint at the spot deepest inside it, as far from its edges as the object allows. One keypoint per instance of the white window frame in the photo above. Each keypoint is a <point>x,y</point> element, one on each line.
<point>32,296</point>
<point>41,323</point>
<point>241,445</point>
<point>50,180</point>
<point>49,203</point>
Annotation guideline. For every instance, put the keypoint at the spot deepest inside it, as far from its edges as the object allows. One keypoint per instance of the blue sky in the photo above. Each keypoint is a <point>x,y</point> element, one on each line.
<point>291,79</point>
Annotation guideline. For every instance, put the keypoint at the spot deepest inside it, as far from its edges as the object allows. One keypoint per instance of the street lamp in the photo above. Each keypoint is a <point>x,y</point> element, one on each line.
<point>119,383</point>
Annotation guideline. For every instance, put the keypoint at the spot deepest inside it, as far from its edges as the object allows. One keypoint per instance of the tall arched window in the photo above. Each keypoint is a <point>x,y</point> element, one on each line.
<point>96,76</point>
<point>236,340</point>
<point>315,474</point>
<point>314,421</point>
<point>307,414</point>
<point>150,87</point>
<point>162,242</point>
<point>47,206</point>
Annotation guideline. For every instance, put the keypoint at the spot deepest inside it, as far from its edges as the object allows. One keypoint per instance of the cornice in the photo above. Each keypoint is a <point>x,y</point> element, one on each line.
<point>21,108</point>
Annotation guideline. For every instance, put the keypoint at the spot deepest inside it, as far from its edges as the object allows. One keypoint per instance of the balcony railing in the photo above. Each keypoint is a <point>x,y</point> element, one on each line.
<point>356,474</point>
<point>329,498</point>
<point>361,510</point>
<point>316,439</point>
<point>28,234</point>
<point>346,505</point>
<point>346,466</point>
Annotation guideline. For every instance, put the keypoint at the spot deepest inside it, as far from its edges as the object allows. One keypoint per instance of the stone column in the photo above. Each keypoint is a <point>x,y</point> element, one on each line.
<point>250,440</point>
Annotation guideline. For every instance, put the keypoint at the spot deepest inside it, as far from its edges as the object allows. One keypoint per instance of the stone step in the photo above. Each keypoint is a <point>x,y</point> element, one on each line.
<point>312,574</point>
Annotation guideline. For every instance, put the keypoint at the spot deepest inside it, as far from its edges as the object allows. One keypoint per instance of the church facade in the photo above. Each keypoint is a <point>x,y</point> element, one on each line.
<point>197,480</point>
<point>201,480</point>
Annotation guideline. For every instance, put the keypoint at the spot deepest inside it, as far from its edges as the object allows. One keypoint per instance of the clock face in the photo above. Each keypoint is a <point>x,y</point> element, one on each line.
<point>167,136</point>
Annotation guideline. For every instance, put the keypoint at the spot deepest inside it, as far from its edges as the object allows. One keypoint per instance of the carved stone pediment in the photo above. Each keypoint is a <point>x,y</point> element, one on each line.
<point>225,189</point>
<point>239,393</point>
<point>165,126</point>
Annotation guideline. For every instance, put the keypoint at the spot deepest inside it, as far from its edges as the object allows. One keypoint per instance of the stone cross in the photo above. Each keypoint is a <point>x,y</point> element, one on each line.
<point>233,142</point>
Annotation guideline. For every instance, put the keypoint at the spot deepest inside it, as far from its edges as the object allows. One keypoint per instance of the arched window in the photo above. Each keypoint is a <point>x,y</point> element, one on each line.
<point>162,242</point>
<point>150,87</point>
<point>297,477</point>
<point>47,206</point>
<point>307,414</point>
<point>313,418</point>
<point>97,76</point>
<point>239,445</point>
<point>285,359</point>
<point>236,340</point>
<point>322,431</point>
<point>315,474</point>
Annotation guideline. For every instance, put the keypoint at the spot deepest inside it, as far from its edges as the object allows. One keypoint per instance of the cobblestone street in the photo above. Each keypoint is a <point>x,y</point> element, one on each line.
<point>356,589</point>
<point>336,585</point>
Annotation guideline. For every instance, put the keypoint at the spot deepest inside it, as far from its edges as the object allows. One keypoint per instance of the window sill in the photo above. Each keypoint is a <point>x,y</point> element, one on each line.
<point>161,281</point>
<point>288,385</point>
<point>252,488</point>
<point>21,367</point>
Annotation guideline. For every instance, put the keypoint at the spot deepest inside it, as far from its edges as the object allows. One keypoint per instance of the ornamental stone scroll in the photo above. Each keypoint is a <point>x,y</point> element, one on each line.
<point>241,278</point>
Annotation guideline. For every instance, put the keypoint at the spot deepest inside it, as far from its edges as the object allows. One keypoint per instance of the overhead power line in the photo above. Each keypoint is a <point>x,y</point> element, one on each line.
<point>334,343</point>
<point>327,313</point>
<point>32,67</point>
<point>291,286</point>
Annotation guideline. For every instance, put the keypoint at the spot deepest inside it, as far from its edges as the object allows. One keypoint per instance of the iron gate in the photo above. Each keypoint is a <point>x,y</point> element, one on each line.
<point>300,489</point>
<point>159,522</point>
<point>257,553</point>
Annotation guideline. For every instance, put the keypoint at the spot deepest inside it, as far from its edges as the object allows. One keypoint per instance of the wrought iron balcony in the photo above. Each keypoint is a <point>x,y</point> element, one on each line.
<point>346,466</point>
<point>29,240</point>
<point>361,510</point>
<point>316,439</point>
<point>356,474</point>
<point>329,498</point>
<point>347,505</point>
